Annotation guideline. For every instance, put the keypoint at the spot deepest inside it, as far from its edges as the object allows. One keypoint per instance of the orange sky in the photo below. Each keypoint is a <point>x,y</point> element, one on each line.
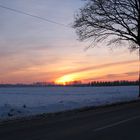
<point>104,72</point>
<point>66,72</point>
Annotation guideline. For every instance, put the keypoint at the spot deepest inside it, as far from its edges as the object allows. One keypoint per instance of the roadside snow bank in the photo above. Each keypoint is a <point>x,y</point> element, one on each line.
<point>19,102</point>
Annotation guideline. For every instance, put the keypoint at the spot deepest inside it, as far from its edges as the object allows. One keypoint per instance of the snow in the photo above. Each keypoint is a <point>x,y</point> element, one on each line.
<point>26,101</point>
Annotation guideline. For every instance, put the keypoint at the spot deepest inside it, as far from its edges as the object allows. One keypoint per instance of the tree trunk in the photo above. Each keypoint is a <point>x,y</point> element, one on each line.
<point>139,71</point>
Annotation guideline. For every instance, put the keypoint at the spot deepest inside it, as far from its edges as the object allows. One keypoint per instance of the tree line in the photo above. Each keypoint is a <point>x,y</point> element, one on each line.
<point>91,84</point>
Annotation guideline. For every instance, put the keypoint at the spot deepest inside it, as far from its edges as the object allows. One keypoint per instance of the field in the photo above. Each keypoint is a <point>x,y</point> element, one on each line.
<point>25,101</point>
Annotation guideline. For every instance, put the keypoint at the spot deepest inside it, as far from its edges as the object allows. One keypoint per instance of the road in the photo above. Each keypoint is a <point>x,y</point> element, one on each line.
<point>121,122</point>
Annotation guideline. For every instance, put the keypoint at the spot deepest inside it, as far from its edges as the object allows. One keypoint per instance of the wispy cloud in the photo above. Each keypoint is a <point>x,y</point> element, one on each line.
<point>96,67</point>
<point>112,77</point>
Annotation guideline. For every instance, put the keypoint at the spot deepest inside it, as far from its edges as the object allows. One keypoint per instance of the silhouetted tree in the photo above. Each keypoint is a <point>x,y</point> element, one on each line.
<point>115,20</point>
<point>118,19</point>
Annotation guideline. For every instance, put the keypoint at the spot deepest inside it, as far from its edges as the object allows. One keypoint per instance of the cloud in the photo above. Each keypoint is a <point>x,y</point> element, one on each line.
<point>101,66</point>
<point>132,73</point>
<point>112,77</point>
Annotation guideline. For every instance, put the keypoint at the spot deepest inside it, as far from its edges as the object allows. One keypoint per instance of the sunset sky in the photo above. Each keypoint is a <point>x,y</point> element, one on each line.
<point>33,50</point>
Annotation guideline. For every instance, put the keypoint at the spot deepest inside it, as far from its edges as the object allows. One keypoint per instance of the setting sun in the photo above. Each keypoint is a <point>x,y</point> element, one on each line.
<point>64,80</point>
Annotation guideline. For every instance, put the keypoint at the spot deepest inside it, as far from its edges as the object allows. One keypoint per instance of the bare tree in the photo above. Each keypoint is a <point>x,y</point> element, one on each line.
<point>115,20</point>
<point>118,19</point>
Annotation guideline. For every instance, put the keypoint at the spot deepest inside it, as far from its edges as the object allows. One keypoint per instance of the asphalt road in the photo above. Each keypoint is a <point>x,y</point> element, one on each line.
<point>120,122</point>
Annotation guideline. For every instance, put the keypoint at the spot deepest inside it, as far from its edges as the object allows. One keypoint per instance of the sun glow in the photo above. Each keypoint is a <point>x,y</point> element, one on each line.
<point>64,80</point>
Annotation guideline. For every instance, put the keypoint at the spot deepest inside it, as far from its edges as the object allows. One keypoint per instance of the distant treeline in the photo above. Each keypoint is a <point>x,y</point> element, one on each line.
<point>114,83</point>
<point>90,84</point>
<point>108,83</point>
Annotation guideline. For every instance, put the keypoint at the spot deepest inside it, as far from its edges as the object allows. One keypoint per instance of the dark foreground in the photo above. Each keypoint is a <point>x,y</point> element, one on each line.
<point>121,122</point>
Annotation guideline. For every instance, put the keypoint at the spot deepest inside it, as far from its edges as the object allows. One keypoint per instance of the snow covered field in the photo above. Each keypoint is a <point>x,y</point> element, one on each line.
<point>18,102</point>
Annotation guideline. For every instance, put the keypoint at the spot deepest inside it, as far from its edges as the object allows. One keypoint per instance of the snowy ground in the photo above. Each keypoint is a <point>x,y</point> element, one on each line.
<point>25,101</point>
